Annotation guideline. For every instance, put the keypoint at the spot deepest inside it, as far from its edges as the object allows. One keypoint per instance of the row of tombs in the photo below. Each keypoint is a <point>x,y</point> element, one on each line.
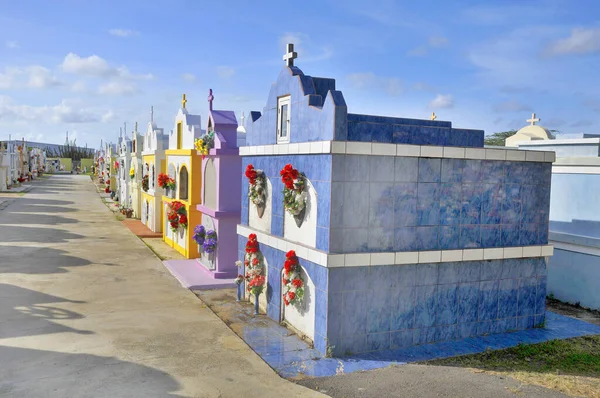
<point>362,233</point>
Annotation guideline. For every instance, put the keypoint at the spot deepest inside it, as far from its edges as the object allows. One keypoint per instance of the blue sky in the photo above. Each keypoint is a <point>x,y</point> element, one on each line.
<point>87,68</point>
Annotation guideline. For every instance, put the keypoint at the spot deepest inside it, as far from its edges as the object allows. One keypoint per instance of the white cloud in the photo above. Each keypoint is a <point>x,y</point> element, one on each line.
<point>109,116</point>
<point>123,32</point>
<point>225,72</point>
<point>118,88</point>
<point>79,87</point>
<point>12,44</point>
<point>303,45</point>
<point>420,86</point>
<point>581,41</point>
<point>188,77</point>
<point>418,52</point>
<point>368,80</point>
<point>98,67</point>
<point>65,112</point>
<point>511,106</point>
<point>8,78</point>
<point>438,41</point>
<point>41,77</point>
<point>442,101</point>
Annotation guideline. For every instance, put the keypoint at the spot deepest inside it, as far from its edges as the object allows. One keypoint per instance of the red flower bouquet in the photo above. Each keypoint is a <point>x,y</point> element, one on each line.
<point>293,283</point>
<point>163,180</point>
<point>294,194</point>
<point>254,262</point>
<point>257,186</point>
<point>177,215</point>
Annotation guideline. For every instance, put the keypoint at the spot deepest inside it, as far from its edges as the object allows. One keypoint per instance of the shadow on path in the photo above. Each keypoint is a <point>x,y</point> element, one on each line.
<point>26,218</point>
<point>25,312</point>
<point>37,260</point>
<point>35,235</point>
<point>37,373</point>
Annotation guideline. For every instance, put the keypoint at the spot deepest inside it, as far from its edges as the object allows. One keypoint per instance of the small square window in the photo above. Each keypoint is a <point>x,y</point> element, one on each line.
<point>283,119</point>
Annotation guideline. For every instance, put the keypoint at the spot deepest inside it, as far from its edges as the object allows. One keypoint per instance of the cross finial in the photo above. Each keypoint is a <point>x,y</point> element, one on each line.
<point>152,114</point>
<point>433,116</point>
<point>183,101</point>
<point>243,118</point>
<point>291,55</point>
<point>533,119</point>
<point>211,97</point>
<point>136,127</point>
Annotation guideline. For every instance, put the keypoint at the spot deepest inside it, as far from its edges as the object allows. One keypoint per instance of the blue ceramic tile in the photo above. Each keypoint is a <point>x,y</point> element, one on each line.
<point>335,313</point>
<point>355,240</point>
<point>428,212</point>
<point>527,297</point>
<point>381,168</point>
<point>493,171</point>
<point>336,279</point>
<point>447,311</point>
<point>452,170</point>
<point>406,275</point>
<point>383,276</point>
<point>405,239</point>
<point>355,310</point>
<point>511,204</point>
<point>427,274</point>
<point>529,236</point>
<point>323,239</point>
<point>491,206</point>
<point>425,305</point>
<point>378,341</point>
<point>511,234</point>
<point>403,309</point>
<point>429,191</point>
<point>277,225</point>
<point>512,268</point>
<point>354,343</point>
<point>401,339</point>
<point>424,335</point>
<point>430,169</point>
<point>381,205</point>
<point>360,200</point>
<point>405,204</point>
<point>492,270</point>
<point>472,171</point>
<point>379,310</point>
<point>355,166</point>
<point>471,203</point>
<point>539,320</point>
<point>488,300</point>
<point>406,169</point>
<point>355,277</point>
<point>470,236</point>
<point>467,330</point>
<point>540,300</point>
<point>449,237</point>
<point>447,332</point>
<point>468,301</point>
<point>450,203</point>
<point>427,238</point>
<point>508,298</point>
<point>320,277</point>
<point>491,236</point>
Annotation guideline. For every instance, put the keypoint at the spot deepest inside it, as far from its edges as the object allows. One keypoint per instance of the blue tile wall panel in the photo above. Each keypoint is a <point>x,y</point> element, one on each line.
<point>386,307</point>
<point>412,203</point>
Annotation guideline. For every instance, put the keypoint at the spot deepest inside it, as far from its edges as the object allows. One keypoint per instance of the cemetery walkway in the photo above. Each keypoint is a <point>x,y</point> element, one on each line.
<point>87,310</point>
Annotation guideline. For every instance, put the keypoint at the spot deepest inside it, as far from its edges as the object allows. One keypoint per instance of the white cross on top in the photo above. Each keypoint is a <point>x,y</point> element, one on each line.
<point>533,119</point>
<point>291,55</point>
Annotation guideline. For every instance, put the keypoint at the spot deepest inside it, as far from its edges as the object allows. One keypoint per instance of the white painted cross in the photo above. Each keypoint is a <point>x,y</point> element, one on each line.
<point>152,114</point>
<point>533,119</point>
<point>291,55</point>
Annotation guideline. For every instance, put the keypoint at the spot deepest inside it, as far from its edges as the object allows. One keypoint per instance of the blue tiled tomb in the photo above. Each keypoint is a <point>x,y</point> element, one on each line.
<point>416,233</point>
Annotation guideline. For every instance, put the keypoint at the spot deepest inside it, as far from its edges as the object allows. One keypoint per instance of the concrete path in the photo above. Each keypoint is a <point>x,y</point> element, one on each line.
<point>87,310</point>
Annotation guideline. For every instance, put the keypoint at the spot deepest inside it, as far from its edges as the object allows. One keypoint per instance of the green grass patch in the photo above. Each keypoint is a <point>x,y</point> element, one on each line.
<point>578,356</point>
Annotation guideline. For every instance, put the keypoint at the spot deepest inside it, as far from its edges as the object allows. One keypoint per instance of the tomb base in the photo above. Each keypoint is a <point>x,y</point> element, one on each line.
<point>191,275</point>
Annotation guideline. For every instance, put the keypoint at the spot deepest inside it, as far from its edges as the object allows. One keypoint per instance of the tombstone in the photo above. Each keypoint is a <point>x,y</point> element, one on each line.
<point>184,165</point>
<point>406,231</point>
<point>154,161</point>
<point>574,222</point>
<point>221,190</point>
<point>137,146</point>
<point>125,148</point>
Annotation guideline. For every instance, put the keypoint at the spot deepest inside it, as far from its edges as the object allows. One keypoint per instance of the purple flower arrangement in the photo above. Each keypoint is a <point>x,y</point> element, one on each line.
<point>206,239</point>
<point>210,243</point>
<point>199,234</point>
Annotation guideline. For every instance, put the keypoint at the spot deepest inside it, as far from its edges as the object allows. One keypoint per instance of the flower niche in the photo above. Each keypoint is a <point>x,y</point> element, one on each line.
<point>205,143</point>
<point>146,183</point>
<point>257,188</point>
<point>206,239</point>
<point>255,266</point>
<point>177,215</point>
<point>293,284</point>
<point>164,181</point>
<point>294,192</point>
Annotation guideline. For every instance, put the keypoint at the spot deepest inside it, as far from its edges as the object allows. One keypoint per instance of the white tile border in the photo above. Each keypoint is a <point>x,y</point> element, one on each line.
<point>383,149</point>
<point>397,258</point>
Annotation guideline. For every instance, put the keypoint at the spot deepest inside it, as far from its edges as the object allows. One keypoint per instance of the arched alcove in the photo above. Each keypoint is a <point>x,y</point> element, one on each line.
<point>183,183</point>
<point>261,223</point>
<point>153,177</point>
<point>210,185</point>
<point>171,171</point>
<point>307,232</point>
<point>301,315</point>
<point>208,260</point>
